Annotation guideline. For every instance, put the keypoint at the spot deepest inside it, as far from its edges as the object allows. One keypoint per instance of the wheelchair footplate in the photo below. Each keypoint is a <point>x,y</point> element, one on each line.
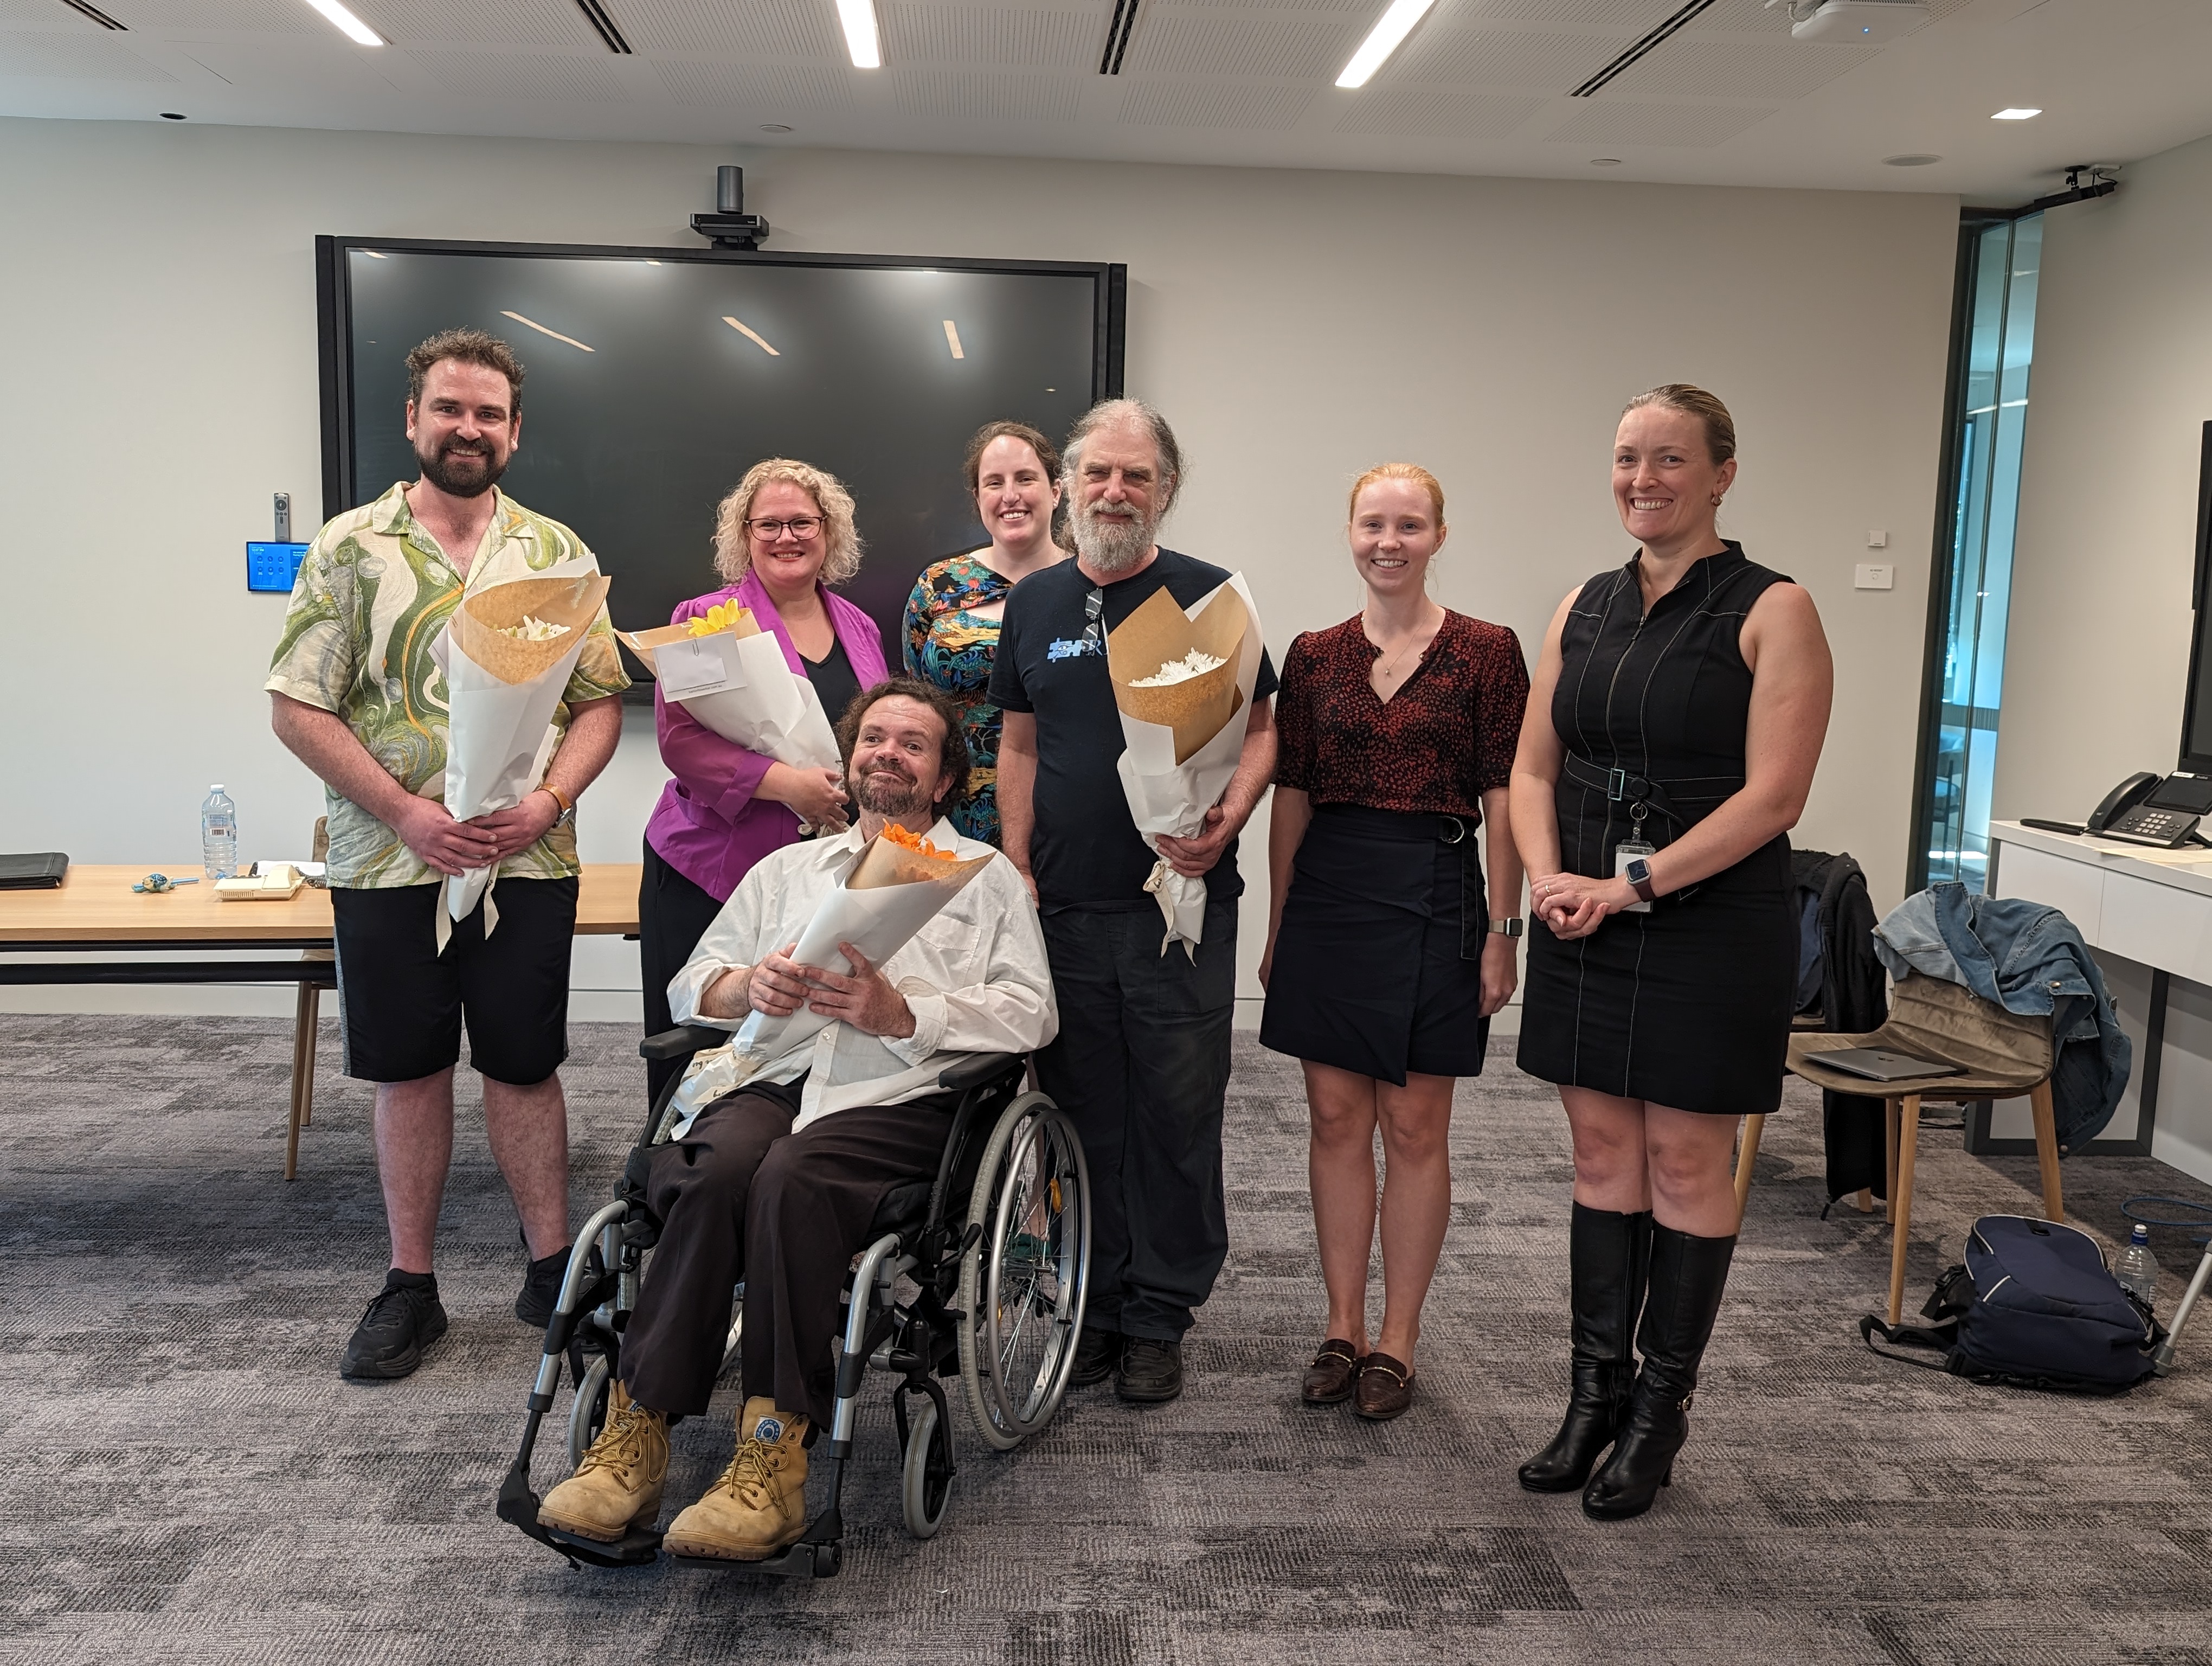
<point>517,1507</point>
<point>819,1553</point>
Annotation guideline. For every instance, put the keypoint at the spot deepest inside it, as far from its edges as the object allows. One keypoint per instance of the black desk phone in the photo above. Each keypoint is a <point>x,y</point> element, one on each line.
<point>2147,809</point>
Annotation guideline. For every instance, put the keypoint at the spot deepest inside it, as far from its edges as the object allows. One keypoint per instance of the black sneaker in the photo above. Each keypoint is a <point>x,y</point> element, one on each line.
<point>403,1321</point>
<point>1151,1370</point>
<point>541,1289</point>
<point>1097,1352</point>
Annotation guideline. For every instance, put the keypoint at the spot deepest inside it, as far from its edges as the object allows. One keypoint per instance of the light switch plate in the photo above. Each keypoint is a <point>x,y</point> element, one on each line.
<point>1874,575</point>
<point>1877,539</point>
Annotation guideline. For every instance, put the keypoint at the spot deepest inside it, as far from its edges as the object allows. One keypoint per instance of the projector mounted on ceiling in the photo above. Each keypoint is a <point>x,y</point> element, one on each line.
<point>1853,23</point>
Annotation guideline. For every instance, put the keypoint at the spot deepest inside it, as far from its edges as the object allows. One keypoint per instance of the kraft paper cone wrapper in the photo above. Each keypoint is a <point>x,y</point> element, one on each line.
<point>479,623</point>
<point>643,642</point>
<point>1160,632</point>
<point>767,708</point>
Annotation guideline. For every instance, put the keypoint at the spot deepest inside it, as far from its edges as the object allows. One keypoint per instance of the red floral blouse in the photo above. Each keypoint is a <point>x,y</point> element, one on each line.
<point>1445,738</point>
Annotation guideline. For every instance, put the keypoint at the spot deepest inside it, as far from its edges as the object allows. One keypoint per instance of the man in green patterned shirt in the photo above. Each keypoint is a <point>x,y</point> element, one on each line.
<point>359,697</point>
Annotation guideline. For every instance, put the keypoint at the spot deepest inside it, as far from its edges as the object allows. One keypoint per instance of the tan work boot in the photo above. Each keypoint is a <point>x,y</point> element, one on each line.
<point>617,1485</point>
<point>759,1504</point>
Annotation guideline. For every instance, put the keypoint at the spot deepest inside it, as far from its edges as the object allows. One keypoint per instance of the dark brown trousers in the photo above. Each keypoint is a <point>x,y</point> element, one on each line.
<point>742,1197</point>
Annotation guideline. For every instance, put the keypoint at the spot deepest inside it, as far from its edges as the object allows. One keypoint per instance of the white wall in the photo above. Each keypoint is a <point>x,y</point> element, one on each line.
<point>2097,657</point>
<point>1295,327</point>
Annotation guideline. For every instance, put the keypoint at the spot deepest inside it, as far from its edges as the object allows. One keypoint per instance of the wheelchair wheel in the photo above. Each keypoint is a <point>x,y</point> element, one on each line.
<point>928,1480</point>
<point>587,1412</point>
<point>1022,1283</point>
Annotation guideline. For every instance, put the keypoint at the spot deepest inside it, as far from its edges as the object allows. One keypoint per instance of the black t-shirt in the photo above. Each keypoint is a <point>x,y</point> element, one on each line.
<point>834,679</point>
<point>1085,849</point>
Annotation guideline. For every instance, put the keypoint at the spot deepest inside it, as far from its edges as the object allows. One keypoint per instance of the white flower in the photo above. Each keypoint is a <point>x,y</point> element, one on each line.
<point>1196,663</point>
<point>534,630</point>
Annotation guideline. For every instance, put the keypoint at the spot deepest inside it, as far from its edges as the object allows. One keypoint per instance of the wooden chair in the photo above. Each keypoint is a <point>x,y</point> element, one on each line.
<point>1999,1056</point>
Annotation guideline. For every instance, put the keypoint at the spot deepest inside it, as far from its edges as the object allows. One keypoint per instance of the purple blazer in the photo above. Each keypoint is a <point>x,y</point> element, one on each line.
<point>708,826</point>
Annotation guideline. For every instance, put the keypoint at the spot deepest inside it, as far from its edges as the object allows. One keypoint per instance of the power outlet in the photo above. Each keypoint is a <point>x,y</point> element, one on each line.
<point>1874,575</point>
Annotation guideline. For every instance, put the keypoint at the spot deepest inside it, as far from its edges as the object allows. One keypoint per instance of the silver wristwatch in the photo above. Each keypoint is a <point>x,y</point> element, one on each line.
<point>1510,927</point>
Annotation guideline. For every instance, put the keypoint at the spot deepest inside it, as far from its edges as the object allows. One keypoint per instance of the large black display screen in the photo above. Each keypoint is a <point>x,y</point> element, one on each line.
<point>657,377</point>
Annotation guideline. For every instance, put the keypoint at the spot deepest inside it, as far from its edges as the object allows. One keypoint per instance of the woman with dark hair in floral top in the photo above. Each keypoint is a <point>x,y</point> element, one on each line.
<point>953,617</point>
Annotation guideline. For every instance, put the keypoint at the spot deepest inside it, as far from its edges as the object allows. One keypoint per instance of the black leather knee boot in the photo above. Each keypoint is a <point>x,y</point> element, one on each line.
<point>1607,1255</point>
<point>1687,1276</point>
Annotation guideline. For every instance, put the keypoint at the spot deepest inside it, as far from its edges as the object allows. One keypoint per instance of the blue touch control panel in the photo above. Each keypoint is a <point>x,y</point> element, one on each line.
<point>273,566</point>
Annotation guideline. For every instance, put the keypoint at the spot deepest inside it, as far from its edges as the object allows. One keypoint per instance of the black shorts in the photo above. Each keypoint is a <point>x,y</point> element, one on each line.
<point>401,1002</point>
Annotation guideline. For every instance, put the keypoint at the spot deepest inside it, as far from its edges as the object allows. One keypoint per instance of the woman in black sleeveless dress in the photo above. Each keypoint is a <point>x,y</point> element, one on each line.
<point>1674,725</point>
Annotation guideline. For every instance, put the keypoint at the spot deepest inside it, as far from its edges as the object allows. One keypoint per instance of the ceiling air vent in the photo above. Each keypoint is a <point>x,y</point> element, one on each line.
<point>1124,24</point>
<point>598,17</point>
<point>1658,35</point>
<point>95,15</point>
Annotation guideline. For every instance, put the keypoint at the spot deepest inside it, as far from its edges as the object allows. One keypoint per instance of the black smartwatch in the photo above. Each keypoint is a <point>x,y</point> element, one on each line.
<point>1638,875</point>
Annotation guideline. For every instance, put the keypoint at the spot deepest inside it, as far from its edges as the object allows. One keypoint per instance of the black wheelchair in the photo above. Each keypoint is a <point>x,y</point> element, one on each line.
<point>980,1274</point>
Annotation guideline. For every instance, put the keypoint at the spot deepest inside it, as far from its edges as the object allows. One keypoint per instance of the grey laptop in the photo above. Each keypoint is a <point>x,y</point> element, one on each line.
<point>1879,1064</point>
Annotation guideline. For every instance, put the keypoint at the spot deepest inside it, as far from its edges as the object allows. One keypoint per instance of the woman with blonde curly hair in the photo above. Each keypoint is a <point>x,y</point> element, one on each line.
<point>782,539</point>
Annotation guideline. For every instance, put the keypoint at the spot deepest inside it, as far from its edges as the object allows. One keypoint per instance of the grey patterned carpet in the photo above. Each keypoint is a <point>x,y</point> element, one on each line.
<point>187,1480</point>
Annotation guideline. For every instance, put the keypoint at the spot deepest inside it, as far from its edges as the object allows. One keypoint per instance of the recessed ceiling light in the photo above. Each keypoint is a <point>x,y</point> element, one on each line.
<point>1605,162</point>
<point>347,24</point>
<point>544,331</point>
<point>859,18</point>
<point>751,335</point>
<point>1911,159</point>
<point>2015,113</point>
<point>171,115</point>
<point>1391,28</point>
<point>774,127</point>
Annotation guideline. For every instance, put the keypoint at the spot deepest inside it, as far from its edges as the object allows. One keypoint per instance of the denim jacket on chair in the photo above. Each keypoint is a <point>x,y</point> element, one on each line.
<point>2027,958</point>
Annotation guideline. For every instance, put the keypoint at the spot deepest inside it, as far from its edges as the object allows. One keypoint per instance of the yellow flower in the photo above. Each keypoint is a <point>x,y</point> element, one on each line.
<point>721,617</point>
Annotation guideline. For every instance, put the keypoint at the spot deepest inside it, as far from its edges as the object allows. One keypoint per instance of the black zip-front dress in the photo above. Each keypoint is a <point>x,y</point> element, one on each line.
<point>1687,1006</point>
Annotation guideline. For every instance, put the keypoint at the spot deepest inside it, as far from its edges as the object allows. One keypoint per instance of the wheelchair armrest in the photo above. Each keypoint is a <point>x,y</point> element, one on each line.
<point>977,1070</point>
<point>682,1042</point>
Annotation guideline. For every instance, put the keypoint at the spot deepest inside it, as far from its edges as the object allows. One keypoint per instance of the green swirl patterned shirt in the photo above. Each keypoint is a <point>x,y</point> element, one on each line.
<point>373,595</point>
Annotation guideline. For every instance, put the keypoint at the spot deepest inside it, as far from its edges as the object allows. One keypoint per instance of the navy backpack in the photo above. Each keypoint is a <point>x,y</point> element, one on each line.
<point>2034,1307</point>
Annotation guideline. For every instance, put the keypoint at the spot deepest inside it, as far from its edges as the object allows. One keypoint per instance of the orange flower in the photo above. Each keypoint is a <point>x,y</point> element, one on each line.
<point>914,842</point>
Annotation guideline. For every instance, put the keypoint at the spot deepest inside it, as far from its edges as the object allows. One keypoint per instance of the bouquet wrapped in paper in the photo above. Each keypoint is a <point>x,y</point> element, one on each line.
<point>894,888</point>
<point>732,675</point>
<point>1182,681</point>
<point>507,653</point>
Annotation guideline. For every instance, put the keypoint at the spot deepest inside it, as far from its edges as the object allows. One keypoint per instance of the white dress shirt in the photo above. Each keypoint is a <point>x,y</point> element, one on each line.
<point>975,978</point>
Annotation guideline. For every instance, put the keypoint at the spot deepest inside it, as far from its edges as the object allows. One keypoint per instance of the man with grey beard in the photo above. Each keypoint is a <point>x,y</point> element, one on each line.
<point>1141,1063</point>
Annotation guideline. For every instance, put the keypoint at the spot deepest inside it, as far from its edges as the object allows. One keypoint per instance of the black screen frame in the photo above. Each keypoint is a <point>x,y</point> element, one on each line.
<point>2196,749</point>
<point>334,313</point>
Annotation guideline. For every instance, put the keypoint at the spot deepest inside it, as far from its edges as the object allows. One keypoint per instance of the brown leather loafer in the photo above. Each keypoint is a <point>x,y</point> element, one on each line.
<point>1330,1378</point>
<point>1385,1390</point>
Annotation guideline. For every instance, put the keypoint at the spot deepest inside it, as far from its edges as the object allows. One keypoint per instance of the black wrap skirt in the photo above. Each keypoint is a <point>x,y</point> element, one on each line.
<point>1378,964</point>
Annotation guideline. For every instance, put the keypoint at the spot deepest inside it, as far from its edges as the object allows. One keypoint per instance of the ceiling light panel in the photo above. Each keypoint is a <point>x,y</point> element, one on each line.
<point>953,96</point>
<point>969,35</point>
<point>504,23</point>
<point>1210,104</point>
<point>1382,41</point>
<point>1431,112</point>
<point>1689,126</point>
<point>342,19</point>
<point>1181,43</point>
<point>2017,112</point>
<point>863,44</point>
<point>734,28</point>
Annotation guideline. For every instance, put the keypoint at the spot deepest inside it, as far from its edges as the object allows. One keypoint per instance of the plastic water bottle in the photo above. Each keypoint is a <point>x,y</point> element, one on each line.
<point>219,834</point>
<point>2138,1268</point>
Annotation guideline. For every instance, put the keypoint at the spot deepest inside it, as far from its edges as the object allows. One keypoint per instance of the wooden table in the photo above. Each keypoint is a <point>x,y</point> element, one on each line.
<point>94,912</point>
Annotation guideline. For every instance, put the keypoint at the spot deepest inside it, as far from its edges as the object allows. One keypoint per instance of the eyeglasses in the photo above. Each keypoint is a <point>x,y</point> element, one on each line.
<point>800,526</point>
<point>1094,627</point>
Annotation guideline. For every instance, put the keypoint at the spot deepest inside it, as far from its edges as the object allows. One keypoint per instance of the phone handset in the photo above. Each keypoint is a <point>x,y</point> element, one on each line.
<point>2122,799</point>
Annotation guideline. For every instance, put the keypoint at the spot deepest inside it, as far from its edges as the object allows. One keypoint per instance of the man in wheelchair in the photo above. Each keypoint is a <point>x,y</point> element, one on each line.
<point>776,1182</point>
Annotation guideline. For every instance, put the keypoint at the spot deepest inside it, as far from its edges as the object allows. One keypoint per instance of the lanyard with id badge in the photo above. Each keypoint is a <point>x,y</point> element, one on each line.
<point>1635,848</point>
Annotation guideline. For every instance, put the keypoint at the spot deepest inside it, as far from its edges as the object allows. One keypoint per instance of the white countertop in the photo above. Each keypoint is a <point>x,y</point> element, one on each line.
<point>2188,868</point>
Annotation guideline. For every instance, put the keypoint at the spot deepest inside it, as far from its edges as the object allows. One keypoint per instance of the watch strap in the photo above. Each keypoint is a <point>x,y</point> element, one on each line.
<point>1639,880</point>
<point>1510,926</point>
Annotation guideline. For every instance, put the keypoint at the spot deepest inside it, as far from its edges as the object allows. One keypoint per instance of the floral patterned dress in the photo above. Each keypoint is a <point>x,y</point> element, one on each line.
<point>951,647</point>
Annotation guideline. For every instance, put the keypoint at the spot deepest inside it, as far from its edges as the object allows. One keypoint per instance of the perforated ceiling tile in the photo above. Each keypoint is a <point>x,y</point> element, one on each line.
<point>75,58</point>
<point>977,96</point>
<point>1181,44</point>
<point>226,16</point>
<point>1753,17</point>
<point>760,92</point>
<point>1635,16</point>
<point>1740,69</point>
<point>1367,8</point>
<point>478,22</point>
<point>1498,58</point>
<point>1593,121</point>
<point>1422,113</point>
<point>971,35</point>
<point>1208,103</point>
<point>49,16</point>
<point>498,76</point>
<point>732,29</point>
